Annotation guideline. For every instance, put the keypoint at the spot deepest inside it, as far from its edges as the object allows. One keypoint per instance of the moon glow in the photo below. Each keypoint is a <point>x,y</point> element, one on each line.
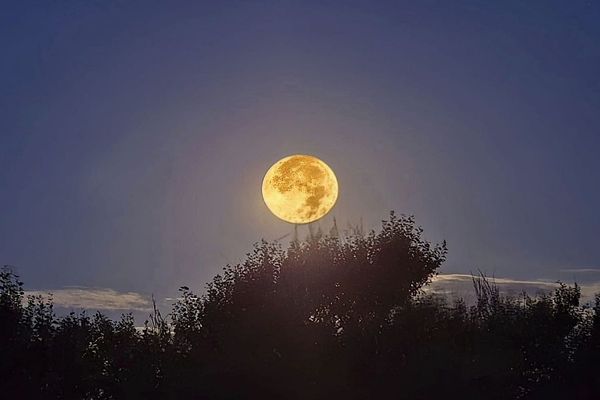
<point>300,189</point>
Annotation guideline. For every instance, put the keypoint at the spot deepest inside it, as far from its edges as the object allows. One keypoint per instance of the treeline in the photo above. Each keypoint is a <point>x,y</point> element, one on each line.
<point>327,318</point>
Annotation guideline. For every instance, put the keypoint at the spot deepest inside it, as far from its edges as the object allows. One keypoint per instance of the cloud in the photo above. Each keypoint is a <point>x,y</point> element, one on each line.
<point>95,298</point>
<point>453,285</point>
<point>461,285</point>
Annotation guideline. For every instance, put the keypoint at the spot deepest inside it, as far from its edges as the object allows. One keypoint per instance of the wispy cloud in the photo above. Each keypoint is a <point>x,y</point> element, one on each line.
<point>456,285</point>
<point>461,285</point>
<point>582,270</point>
<point>95,298</point>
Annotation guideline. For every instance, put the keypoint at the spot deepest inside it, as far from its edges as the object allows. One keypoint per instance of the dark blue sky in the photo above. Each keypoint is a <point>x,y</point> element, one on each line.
<point>134,135</point>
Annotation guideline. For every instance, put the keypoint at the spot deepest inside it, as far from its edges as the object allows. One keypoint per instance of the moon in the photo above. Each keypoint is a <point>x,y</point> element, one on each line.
<point>300,189</point>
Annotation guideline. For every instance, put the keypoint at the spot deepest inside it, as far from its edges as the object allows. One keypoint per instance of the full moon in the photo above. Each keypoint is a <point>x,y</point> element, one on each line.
<point>300,189</point>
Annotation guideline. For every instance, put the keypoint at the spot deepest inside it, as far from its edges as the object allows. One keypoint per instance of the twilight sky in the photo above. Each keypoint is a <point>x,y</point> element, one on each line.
<point>134,134</point>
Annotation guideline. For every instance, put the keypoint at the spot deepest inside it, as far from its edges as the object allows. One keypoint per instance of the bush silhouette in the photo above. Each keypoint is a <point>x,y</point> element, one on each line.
<point>325,318</point>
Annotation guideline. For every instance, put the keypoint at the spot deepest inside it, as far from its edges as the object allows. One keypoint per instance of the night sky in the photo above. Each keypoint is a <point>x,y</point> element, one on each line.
<point>134,135</point>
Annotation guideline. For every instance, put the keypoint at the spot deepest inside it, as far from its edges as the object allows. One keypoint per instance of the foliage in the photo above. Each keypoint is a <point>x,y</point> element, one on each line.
<point>328,317</point>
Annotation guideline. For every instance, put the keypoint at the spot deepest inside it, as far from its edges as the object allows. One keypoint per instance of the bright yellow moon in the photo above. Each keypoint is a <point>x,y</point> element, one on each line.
<point>300,189</point>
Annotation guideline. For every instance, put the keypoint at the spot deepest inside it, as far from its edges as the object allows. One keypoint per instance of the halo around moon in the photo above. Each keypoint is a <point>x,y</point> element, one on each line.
<point>300,189</point>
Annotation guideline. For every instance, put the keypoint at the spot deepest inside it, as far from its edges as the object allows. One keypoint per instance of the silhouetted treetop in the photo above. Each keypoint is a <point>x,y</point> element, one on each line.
<point>329,317</point>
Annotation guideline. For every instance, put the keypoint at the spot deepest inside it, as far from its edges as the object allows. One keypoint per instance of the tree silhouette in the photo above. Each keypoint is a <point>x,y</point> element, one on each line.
<point>340,317</point>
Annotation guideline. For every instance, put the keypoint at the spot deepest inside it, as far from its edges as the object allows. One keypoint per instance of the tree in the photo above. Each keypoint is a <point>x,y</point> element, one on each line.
<point>339,317</point>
